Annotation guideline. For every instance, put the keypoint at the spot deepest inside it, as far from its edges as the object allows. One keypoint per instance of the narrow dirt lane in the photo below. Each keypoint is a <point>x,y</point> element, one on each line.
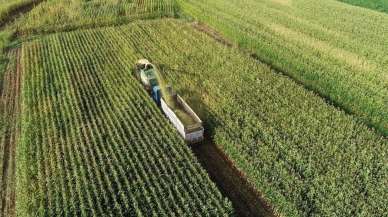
<point>10,109</point>
<point>247,202</point>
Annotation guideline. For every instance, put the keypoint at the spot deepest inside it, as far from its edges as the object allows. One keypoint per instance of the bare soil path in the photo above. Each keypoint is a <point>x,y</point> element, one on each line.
<point>10,129</point>
<point>246,201</point>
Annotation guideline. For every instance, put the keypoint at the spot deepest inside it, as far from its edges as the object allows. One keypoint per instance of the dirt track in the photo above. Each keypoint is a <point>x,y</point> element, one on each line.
<point>247,201</point>
<point>10,109</point>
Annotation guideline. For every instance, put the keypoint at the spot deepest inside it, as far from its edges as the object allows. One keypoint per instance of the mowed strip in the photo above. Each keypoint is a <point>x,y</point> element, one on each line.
<point>10,129</point>
<point>93,142</point>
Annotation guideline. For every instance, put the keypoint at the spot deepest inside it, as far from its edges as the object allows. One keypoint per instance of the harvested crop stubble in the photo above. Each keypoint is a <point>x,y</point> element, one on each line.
<point>93,142</point>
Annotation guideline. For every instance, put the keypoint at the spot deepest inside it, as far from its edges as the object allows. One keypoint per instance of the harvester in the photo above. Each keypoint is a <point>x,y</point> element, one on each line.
<point>185,120</point>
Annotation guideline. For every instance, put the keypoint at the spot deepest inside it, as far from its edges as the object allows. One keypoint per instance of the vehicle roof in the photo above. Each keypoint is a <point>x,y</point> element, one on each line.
<point>143,61</point>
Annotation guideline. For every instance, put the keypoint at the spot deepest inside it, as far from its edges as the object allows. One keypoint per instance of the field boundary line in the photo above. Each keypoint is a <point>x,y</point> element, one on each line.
<point>10,103</point>
<point>16,12</point>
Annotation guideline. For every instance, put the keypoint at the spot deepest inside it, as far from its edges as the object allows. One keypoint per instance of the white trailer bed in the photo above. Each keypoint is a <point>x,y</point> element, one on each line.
<point>192,133</point>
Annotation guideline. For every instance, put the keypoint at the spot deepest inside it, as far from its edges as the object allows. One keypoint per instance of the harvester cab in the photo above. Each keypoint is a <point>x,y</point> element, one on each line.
<point>145,72</point>
<point>174,107</point>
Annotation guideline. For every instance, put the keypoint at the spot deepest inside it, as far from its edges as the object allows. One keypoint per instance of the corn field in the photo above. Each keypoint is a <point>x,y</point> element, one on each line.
<point>64,15</point>
<point>298,106</point>
<point>338,51</point>
<point>305,156</point>
<point>94,144</point>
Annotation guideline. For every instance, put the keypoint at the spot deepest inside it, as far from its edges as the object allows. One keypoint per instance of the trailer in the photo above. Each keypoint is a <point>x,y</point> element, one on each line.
<point>184,119</point>
<point>191,130</point>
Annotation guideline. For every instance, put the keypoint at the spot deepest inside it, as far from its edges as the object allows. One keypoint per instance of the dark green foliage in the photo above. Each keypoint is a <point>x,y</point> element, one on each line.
<point>378,5</point>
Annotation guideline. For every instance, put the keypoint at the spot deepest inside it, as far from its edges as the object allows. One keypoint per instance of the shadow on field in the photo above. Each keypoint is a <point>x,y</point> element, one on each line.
<point>246,201</point>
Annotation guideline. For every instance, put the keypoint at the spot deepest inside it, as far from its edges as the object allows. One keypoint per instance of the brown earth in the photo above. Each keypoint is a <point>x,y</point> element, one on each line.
<point>246,200</point>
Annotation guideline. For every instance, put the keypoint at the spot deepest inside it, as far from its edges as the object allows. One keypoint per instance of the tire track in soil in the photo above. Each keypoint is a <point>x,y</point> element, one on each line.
<point>246,200</point>
<point>10,107</point>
